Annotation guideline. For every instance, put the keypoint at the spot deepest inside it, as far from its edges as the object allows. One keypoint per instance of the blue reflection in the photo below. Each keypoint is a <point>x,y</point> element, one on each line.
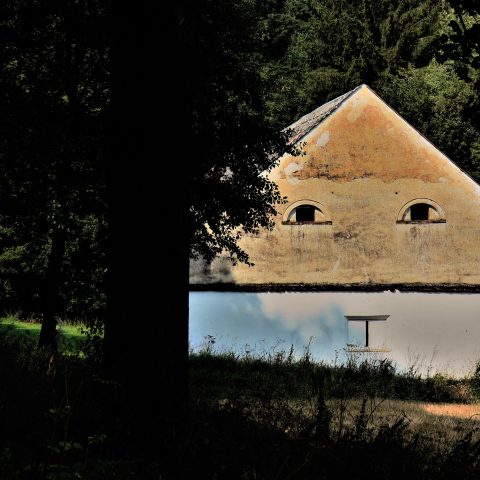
<point>253,323</point>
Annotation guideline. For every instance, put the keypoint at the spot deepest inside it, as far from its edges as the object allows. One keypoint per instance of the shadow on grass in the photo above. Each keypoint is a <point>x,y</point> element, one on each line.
<point>71,340</point>
<point>61,419</point>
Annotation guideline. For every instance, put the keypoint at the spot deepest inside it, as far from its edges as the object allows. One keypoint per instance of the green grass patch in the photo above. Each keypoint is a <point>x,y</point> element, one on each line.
<point>71,338</point>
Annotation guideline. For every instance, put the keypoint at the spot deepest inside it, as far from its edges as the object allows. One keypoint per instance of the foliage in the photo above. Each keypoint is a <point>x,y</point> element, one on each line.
<point>316,51</point>
<point>461,46</point>
<point>62,419</point>
<point>234,145</point>
<point>476,379</point>
<point>258,66</point>
<point>71,339</point>
<point>229,375</point>
<point>54,92</point>
<point>434,100</point>
<point>59,418</point>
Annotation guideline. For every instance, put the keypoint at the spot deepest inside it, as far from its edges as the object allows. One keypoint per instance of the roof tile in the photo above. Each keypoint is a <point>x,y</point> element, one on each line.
<point>309,121</point>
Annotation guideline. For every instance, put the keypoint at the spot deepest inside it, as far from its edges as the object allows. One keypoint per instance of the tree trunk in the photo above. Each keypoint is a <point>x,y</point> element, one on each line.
<point>146,336</point>
<point>53,280</point>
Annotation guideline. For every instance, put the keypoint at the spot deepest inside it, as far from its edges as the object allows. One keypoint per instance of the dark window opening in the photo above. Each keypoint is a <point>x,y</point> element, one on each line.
<point>305,214</point>
<point>360,330</point>
<point>419,212</point>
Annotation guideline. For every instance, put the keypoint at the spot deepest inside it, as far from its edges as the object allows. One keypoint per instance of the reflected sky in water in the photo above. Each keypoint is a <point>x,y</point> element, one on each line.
<point>433,332</point>
<point>262,323</point>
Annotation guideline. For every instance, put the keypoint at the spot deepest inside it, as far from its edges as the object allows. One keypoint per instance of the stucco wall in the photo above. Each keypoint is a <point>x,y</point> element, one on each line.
<point>363,164</point>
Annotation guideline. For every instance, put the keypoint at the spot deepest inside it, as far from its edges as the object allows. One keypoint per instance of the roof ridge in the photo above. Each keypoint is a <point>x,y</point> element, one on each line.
<point>308,122</point>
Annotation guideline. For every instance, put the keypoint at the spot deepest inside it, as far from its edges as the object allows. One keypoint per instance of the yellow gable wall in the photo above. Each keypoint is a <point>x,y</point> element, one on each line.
<point>363,164</point>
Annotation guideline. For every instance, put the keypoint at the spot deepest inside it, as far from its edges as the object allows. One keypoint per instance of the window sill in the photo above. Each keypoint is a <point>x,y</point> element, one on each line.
<point>307,223</point>
<point>415,222</point>
<point>354,349</point>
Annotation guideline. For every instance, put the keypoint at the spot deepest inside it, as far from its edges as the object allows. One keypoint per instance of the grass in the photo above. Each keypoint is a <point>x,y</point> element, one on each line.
<point>71,337</point>
<point>425,420</point>
<point>229,375</point>
<point>250,418</point>
<point>313,420</point>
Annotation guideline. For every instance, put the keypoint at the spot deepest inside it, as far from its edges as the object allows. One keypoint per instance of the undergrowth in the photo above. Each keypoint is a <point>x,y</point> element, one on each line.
<point>249,419</point>
<point>229,374</point>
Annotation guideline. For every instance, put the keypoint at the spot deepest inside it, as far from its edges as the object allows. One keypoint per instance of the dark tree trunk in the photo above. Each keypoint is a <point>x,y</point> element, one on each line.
<point>53,281</point>
<point>146,337</point>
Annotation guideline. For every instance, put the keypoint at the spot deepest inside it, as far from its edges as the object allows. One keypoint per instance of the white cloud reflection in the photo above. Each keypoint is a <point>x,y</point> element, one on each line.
<point>440,332</point>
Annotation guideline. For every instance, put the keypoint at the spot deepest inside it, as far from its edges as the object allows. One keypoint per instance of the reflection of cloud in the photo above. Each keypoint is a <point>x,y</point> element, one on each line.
<point>267,321</point>
<point>305,314</point>
<point>310,330</point>
<point>419,323</point>
<point>290,307</point>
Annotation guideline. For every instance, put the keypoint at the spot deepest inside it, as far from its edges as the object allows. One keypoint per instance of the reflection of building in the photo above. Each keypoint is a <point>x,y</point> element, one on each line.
<point>366,333</point>
<point>372,206</point>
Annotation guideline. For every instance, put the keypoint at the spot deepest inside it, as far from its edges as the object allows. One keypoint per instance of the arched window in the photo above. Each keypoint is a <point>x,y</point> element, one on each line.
<point>421,210</point>
<point>306,212</point>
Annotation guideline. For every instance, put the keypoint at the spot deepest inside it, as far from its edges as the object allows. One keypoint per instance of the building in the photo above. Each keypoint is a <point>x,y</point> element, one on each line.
<point>372,206</point>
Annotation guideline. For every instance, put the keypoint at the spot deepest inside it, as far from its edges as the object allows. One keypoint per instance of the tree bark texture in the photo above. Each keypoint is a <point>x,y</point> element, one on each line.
<point>53,282</point>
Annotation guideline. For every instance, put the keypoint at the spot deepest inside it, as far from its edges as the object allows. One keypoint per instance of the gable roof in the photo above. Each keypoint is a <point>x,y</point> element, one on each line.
<point>309,121</point>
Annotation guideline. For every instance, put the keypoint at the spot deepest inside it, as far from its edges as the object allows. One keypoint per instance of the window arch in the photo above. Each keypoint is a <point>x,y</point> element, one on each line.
<point>306,212</point>
<point>421,210</point>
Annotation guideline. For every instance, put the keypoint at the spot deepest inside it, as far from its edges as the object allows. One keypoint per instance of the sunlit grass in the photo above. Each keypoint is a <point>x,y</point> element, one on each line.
<point>70,340</point>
